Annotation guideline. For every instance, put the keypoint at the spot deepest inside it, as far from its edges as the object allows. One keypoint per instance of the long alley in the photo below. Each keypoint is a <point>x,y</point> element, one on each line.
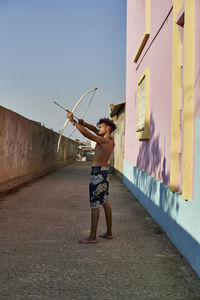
<point>41,224</point>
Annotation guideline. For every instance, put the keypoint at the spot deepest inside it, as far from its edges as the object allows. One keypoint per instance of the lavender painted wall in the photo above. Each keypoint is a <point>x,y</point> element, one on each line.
<point>138,23</point>
<point>147,163</point>
<point>152,156</point>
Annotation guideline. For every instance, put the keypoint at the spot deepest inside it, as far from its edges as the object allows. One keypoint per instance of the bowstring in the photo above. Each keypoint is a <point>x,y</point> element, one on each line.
<point>85,113</point>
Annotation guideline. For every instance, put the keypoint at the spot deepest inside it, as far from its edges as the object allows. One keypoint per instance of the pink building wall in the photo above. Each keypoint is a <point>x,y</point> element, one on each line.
<point>147,163</point>
<point>153,155</point>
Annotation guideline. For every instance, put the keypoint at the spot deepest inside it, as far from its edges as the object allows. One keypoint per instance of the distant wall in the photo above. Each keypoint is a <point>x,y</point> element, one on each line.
<point>119,143</point>
<point>117,158</point>
<point>29,150</point>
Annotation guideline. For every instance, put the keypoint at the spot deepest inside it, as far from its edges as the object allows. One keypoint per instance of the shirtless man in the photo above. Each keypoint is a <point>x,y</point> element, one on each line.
<point>99,184</point>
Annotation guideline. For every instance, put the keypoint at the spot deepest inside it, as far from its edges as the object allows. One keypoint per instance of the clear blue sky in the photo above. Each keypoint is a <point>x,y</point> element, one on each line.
<point>57,50</point>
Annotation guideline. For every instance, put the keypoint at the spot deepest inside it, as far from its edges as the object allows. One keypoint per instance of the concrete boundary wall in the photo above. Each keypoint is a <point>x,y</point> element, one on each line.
<point>29,150</point>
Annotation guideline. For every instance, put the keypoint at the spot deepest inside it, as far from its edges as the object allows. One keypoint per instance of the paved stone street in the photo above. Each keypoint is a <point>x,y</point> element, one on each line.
<point>40,226</point>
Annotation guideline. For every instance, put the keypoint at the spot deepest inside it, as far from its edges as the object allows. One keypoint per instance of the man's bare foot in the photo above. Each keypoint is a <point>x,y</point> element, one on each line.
<point>106,236</point>
<point>88,240</point>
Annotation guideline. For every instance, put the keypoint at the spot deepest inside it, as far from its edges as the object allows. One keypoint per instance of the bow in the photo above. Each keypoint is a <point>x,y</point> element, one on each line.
<point>78,102</point>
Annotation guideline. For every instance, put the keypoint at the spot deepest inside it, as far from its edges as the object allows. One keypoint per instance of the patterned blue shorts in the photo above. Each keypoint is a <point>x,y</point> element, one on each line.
<point>99,186</point>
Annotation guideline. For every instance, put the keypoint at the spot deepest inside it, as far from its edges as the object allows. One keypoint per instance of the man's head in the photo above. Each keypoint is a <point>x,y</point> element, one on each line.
<point>106,126</point>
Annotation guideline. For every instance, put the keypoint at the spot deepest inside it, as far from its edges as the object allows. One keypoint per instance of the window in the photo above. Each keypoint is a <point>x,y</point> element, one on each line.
<point>143,107</point>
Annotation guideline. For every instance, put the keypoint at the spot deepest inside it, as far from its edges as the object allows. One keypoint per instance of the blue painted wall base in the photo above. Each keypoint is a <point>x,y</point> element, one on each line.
<point>180,219</point>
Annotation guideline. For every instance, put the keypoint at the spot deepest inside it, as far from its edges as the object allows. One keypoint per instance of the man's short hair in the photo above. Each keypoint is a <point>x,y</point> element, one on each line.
<point>108,122</point>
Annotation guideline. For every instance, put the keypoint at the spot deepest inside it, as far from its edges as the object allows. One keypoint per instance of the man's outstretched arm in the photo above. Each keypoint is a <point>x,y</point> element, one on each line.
<point>85,132</point>
<point>89,135</point>
<point>89,126</point>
